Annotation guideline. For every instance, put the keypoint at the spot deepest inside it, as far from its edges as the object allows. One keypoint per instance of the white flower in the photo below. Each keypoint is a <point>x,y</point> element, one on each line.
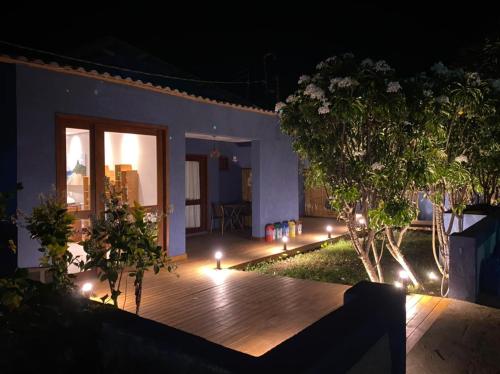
<point>304,79</point>
<point>440,69</point>
<point>496,84</point>
<point>324,109</point>
<point>279,107</point>
<point>342,83</point>
<point>321,65</point>
<point>474,79</point>
<point>377,166</point>
<point>428,93</point>
<point>291,99</point>
<point>367,62</point>
<point>382,66</point>
<point>359,153</point>
<point>462,159</point>
<point>443,99</point>
<point>314,91</point>
<point>393,87</point>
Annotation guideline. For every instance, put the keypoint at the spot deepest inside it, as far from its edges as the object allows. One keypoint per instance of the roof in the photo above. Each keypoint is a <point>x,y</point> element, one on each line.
<point>189,87</point>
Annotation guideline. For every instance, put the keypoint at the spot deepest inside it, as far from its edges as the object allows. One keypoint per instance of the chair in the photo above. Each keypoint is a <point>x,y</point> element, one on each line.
<point>217,213</point>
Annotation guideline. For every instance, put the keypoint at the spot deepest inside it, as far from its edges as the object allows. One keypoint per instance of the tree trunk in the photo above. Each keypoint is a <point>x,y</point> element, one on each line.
<point>363,251</point>
<point>138,296</point>
<point>394,247</point>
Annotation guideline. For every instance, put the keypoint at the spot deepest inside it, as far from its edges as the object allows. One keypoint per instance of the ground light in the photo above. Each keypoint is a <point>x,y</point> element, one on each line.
<point>284,240</point>
<point>329,231</point>
<point>398,284</point>
<point>218,256</point>
<point>87,289</point>
<point>432,276</point>
<point>403,275</point>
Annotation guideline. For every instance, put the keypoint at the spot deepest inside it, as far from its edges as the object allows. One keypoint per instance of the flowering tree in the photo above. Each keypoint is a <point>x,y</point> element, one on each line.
<point>455,109</point>
<point>350,122</point>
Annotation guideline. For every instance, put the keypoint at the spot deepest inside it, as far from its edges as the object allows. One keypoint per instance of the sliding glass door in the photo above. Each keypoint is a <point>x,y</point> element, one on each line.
<point>132,157</point>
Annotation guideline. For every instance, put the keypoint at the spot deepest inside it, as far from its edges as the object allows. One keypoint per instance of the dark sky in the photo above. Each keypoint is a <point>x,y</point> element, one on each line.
<point>232,46</point>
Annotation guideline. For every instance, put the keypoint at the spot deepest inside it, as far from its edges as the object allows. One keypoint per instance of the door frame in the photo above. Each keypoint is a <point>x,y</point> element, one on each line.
<point>97,127</point>
<point>203,201</point>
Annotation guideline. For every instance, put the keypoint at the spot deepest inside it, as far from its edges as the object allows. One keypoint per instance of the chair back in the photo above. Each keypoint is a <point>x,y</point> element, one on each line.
<point>217,210</point>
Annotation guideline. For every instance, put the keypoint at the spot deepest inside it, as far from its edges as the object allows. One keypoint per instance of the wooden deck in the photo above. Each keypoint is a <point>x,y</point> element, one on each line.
<point>247,311</point>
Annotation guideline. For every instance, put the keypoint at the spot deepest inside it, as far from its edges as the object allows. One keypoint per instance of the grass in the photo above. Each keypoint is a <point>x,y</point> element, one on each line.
<point>338,263</point>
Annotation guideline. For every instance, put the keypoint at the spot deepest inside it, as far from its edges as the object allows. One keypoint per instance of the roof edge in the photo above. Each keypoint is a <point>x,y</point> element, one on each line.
<point>127,81</point>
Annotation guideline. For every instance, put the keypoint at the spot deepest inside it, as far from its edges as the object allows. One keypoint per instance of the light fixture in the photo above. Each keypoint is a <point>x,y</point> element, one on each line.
<point>361,220</point>
<point>87,289</point>
<point>403,275</point>
<point>218,256</point>
<point>432,276</point>
<point>329,231</point>
<point>398,284</point>
<point>235,159</point>
<point>214,153</point>
<point>284,239</point>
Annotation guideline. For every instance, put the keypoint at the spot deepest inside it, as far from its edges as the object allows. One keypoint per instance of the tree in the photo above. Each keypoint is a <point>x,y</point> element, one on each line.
<point>51,225</point>
<point>350,122</point>
<point>123,237</point>
<point>454,109</point>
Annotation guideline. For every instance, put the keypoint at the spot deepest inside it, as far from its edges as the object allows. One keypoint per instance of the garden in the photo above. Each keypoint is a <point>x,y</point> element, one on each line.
<point>337,262</point>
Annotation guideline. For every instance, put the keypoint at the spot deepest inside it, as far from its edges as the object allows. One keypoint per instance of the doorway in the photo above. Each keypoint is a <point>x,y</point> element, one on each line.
<point>196,194</point>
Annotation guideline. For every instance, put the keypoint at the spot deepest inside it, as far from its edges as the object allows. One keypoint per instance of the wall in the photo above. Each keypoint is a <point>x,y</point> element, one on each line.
<point>8,162</point>
<point>41,94</point>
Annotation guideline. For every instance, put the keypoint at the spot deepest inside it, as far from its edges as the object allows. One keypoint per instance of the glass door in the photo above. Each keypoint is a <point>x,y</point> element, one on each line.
<point>196,193</point>
<point>131,157</point>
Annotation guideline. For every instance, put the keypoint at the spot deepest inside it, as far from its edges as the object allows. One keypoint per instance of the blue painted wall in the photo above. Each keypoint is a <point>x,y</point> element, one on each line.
<point>41,94</point>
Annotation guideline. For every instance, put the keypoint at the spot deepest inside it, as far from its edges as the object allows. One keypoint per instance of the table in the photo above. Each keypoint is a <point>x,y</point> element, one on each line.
<point>234,212</point>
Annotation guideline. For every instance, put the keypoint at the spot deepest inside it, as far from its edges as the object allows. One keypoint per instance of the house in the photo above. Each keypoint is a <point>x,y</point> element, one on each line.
<point>69,125</point>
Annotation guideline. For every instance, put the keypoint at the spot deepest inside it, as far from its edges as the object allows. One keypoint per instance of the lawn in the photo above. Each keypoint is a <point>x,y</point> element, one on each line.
<point>338,263</point>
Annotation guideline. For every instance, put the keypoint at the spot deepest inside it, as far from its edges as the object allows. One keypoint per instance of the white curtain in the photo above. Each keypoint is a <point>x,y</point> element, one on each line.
<point>192,180</point>
<point>193,212</point>
<point>192,216</point>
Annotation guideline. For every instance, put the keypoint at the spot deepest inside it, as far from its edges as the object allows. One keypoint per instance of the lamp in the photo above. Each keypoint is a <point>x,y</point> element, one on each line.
<point>329,231</point>
<point>218,256</point>
<point>284,239</point>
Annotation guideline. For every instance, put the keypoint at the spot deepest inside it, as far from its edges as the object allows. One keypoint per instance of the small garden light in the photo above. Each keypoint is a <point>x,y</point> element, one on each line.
<point>398,284</point>
<point>432,276</point>
<point>218,256</point>
<point>284,240</point>
<point>329,231</point>
<point>87,289</point>
<point>403,275</point>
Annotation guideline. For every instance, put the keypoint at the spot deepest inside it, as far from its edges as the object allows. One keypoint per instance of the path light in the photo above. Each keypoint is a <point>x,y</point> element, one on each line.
<point>403,275</point>
<point>329,231</point>
<point>398,284</point>
<point>87,289</point>
<point>432,276</point>
<point>218,256</point>
<point>361,220</point>
<point>284,240</point>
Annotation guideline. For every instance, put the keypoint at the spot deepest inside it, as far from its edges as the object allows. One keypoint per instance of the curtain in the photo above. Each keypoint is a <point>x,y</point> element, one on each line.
<point>192,180</point>
<point>193,216</point>
<point>193,212</point>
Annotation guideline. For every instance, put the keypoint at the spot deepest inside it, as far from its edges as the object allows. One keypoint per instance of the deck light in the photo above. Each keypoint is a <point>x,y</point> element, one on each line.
<point>218,256</point>
<point>87,288</point>
<point>329,231</point>
<point>398,284</point>
<point>361,220</point>
<point>403,275</point>
<point>432,276</point>
<point>284,239</point>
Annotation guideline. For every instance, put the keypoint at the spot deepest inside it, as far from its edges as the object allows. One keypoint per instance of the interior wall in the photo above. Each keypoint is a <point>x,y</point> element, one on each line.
<point>140,152</point>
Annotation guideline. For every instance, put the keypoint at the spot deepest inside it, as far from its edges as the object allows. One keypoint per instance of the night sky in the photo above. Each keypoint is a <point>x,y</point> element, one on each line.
<point>233,47</point>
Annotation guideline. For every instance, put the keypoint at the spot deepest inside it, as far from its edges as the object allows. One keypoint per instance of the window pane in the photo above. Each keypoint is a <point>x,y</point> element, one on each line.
<point>130,164</point>
<point>77,169</point>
